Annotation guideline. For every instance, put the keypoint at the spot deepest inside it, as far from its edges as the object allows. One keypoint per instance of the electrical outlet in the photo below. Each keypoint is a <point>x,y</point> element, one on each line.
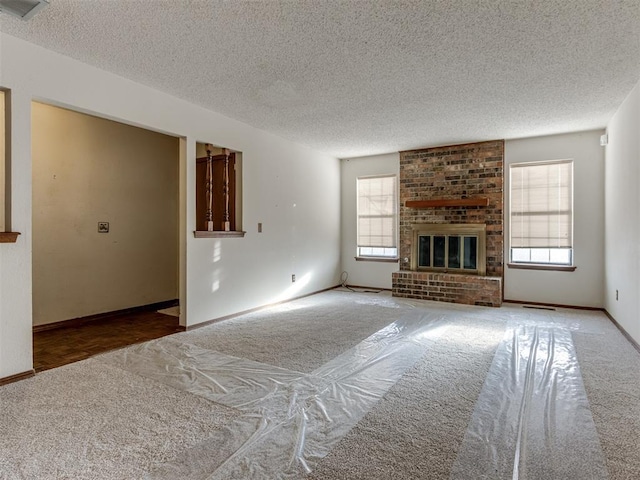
<point>616,295</point>
<point>293,277</point>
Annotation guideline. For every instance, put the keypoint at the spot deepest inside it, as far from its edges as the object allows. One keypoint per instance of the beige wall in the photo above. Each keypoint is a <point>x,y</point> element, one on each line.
<point>584,286</point>
<point>622,220</point>
<point>88,170</point>
<point>362,273</point>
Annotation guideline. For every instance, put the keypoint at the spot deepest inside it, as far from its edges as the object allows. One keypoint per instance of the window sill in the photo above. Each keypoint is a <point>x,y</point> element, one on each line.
<point>8,237</point>
<point>541,266</point>
<point>378,259</point>
<point>218,234</point>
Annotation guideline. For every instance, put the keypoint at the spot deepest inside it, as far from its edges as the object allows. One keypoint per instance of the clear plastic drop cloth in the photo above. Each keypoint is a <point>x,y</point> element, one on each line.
<point>289,420</point>
<point>589,322</point>
<point>532,418</point>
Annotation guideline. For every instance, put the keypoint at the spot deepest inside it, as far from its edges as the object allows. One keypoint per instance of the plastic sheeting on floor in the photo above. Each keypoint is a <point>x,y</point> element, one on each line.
<point>532,418</point>
<point>290,419</point>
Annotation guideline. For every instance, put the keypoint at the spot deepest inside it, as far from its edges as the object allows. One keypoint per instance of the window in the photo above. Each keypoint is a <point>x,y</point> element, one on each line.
<point>218,191</point>
<point>377,217</point>
<point>541,214</point>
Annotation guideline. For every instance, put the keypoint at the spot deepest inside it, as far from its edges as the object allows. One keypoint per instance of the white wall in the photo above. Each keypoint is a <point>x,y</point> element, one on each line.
<point>293,190</point>
<point>85,170</point>
<point>363,273</point>
<point>622,225</point>
<point>584,286</point>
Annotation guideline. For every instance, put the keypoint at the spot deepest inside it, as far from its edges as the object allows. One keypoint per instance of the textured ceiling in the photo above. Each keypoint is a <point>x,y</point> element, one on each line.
<point>362,77</point>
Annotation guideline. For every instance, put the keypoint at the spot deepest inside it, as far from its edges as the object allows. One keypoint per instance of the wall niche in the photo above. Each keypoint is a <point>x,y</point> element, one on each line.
<point>6,235</point>
<point>218,191</point>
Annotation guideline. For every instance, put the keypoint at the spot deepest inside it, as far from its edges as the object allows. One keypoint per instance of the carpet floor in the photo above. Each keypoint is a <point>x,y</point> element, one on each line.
<point>416,429</point>
<point>338,385</point>
<point>611,372</point>
<point>89,420</point>
<point>300,335</point>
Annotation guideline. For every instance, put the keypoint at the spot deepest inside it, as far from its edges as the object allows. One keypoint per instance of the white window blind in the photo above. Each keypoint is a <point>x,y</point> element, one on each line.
<point>377,211</point>
<point>542,205</point>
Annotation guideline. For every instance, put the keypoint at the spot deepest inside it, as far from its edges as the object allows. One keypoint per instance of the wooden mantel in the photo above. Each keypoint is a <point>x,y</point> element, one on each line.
<point>8,237</point>
<point>448,202</point>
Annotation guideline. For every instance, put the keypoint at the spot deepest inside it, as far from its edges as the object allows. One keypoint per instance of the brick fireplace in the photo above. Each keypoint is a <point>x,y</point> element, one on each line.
<point>454,185</point>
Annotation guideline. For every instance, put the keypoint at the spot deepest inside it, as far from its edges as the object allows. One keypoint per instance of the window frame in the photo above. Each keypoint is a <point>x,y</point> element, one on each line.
<point>538,264</point>
<point>393,254</point>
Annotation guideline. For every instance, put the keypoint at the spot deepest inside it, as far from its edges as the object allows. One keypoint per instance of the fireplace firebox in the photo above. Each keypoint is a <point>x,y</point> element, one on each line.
<point>449,248</point>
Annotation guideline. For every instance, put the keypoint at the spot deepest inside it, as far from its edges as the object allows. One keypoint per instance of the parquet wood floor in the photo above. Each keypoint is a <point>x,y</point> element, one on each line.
<point>54,348</point>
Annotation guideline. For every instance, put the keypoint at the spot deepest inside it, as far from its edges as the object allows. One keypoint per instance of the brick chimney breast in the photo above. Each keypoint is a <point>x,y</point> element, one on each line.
<point>466,171</point>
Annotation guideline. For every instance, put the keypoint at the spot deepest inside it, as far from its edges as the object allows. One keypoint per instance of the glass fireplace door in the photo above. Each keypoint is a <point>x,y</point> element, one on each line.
<point>448,252</point>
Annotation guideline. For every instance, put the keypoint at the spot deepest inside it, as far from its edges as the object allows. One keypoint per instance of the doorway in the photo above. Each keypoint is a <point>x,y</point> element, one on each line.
<point>105,229</point>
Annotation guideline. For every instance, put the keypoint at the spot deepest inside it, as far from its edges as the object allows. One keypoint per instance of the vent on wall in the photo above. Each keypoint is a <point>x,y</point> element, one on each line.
<point>539,307</point>
<point>24,9</point>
